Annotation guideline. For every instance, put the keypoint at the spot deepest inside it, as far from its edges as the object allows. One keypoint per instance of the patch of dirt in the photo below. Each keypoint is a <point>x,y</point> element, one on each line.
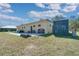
<point>29,49</point>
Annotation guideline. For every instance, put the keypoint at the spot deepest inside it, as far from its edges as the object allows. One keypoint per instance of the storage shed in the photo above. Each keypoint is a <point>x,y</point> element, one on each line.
<point>60,27</point>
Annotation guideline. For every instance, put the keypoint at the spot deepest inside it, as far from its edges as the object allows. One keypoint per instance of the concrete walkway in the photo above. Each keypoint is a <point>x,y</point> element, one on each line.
<point>33,35</point>
<point>18,34</point>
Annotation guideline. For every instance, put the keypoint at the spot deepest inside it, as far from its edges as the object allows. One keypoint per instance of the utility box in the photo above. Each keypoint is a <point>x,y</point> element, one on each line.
<point>60,27</point>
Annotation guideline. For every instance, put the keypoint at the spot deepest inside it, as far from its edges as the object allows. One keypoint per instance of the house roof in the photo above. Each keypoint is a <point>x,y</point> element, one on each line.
<point>42,20</point>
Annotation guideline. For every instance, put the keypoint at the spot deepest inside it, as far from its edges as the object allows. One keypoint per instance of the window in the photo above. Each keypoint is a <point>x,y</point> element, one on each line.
<point>23,27</point>
<point>39,25</point>
<point>41,30</point>
<point>33,25</point>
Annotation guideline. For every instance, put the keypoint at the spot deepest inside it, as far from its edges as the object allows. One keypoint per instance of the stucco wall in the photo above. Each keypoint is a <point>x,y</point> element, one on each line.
<point>44,24</point>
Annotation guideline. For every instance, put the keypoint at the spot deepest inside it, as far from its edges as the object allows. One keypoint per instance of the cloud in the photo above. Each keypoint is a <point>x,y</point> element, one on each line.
<point>41,5</point>
<point>5,5</point>
<point>53,6</point>
<point>10,20</point>
<point>5,8</point>
<point>78,13</point>
<point>7,17</point>
<point>70,8</point>
<point>45,14</point>
<point>53,9</point>
<point>8,11</point>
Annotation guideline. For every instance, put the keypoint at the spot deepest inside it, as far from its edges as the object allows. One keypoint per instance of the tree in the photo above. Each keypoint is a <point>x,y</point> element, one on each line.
<point>58,17</point>
<point>74,26</point>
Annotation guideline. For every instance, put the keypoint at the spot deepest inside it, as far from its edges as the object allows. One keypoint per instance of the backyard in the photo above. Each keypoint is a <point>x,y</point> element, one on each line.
<point>12,45</point>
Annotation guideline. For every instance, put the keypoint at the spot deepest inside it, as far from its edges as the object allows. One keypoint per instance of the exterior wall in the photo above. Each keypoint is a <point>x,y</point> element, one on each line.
<point>44,24</point>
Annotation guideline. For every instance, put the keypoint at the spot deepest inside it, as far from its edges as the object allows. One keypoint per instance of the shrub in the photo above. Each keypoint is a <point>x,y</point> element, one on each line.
<point>25,36</point>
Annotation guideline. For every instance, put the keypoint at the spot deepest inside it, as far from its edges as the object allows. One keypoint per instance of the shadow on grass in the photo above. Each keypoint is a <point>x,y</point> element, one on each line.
<point>25,36</point>
<point>69,36</point>
<point>47,35</point>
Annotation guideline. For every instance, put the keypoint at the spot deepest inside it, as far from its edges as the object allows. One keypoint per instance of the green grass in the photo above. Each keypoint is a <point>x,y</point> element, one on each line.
<point>11,45</point>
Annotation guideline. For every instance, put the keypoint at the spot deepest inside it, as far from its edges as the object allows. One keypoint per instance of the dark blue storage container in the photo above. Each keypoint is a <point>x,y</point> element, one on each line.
<point>60,27</point>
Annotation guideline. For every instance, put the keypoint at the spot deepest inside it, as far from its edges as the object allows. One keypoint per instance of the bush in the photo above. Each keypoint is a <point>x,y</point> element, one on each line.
<point>25,36</point>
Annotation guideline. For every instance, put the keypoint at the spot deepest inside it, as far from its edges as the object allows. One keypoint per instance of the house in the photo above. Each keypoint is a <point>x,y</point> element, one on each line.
<point>8,28</point>
<point>41,27</point>
<point>59,27</point>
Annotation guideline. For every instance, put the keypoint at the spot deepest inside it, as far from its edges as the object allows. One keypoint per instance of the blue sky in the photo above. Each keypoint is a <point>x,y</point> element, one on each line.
<point>19,13</point>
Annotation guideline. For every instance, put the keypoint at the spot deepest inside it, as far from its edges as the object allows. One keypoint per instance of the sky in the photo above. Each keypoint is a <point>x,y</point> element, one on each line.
<point>20,13</point>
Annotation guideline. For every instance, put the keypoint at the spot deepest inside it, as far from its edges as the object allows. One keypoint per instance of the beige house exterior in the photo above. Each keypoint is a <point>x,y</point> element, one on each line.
<point>42,26</point>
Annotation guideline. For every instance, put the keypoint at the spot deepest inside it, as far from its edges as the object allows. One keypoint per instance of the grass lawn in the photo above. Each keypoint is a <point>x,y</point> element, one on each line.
<point>11,45</point>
